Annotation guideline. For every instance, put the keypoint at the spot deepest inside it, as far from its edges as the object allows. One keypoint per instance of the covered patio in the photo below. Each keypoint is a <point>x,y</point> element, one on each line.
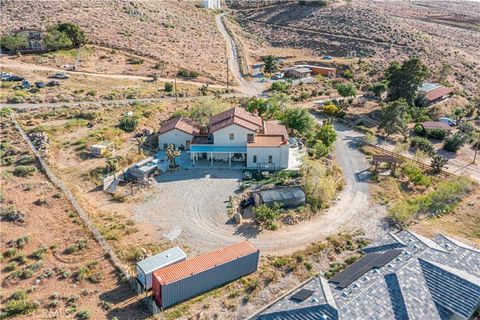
<point>218,156</point>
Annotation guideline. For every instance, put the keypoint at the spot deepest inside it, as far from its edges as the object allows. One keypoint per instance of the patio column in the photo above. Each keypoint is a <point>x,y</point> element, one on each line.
<point>211,159</point>
<point>193,158</point>
<point>229,160</point>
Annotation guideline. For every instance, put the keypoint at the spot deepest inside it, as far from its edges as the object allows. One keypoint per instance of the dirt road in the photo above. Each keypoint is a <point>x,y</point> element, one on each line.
<point>248,87</point>
<point>190,207</point>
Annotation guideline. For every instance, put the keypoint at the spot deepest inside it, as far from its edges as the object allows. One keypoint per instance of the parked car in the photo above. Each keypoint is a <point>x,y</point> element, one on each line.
<point>327,57</point>
<point>448,121</point>
<point>14,78</point>
<point>5,75</point>
<point>26,84</point>
<point>60,75</point>
<point>246,203</point>
<point>53,83</point>
<point>40,84</point>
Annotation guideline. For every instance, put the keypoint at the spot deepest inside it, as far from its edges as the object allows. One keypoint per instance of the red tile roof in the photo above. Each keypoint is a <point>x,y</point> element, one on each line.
<point>186,125</point>
<point>273,127</point>
<point>187,268</point>
<point>237,116</point>
<point>438,93</point>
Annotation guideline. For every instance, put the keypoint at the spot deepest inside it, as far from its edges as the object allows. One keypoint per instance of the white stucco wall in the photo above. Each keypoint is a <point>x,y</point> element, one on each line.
<point>222,136</point>
<point>174,136</point>
<point>279,156</point>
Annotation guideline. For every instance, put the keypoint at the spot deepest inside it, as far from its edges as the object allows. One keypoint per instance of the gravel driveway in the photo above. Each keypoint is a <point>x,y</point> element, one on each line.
<point>190,207</point>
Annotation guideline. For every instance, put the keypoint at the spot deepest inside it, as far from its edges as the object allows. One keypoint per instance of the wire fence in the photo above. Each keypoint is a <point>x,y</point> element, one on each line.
<point>117,263</point>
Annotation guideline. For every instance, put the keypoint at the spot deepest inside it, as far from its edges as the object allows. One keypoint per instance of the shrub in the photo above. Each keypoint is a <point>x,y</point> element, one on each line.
<point>422,144</point>
<point>416,175</point>
<point>84,314</point>
<point>436,133</point>
<point>319,150</point>
<point>331,109</point>
<point>96,277</point>
<point>187,74</point>
<point>267,216</point>
<point>318,184</point>
<point>168,87</point>
<point>10,253</point>
<point>39,253</point>
<point>128,123</point>
<point>466,127</point>
<point>18,307</point>
<point>23,171</point>
<point>19,295</point>
<point>280,86</point>
<point>15,99</point>
<point>78,246</point>
<point>11,266</point>
<point>454,142</point>
<point>135,60</point>
<point>27,273</point>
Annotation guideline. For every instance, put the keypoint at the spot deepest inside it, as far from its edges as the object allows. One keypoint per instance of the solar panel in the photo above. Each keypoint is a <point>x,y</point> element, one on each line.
<point>301,295</point>
<point>354,267</point>
<point>362,266</point>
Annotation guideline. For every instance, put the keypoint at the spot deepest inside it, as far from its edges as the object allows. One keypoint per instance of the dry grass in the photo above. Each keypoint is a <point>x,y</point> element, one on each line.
<point>176,32</point>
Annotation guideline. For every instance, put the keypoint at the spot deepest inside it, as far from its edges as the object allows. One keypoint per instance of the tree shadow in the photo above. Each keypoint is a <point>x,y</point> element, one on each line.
<point>248,230</point>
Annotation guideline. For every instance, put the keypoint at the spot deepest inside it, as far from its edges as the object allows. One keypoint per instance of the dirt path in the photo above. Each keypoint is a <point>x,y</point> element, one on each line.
<point>11,63</point>
<point>249,87</point>
<point>190,207</point>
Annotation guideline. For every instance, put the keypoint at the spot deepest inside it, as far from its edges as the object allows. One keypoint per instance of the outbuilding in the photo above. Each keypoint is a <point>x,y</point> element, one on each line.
<point>143,170</point>
<point>187,279</point>
<point>288,197</point>
<point>99,150</point>
<point>146,267</point>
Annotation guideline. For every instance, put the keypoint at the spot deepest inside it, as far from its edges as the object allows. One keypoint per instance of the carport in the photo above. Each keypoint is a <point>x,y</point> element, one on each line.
<point>218,155</point>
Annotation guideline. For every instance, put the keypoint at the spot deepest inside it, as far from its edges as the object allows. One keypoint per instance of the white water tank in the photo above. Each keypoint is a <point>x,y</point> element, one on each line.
<point>211,4</point>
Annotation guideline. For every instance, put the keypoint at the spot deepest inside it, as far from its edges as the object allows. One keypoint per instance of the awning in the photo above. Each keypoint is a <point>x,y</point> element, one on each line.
<point>217,149</point>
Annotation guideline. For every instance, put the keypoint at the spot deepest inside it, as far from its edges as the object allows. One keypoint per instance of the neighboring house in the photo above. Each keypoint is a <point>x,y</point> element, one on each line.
<point>298,72</point>
<point>402,276</point>
<point>34,40</point>
<point>235,137</point>
<point>178,131</point>
<point>430,93</point>
<point>211,4</point>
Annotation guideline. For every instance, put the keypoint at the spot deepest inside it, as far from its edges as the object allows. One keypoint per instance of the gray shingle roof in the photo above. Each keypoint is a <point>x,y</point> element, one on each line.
<point>430,279</point>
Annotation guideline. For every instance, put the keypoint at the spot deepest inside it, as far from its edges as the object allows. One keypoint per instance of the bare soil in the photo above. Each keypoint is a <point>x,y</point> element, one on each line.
<point>52,222</point>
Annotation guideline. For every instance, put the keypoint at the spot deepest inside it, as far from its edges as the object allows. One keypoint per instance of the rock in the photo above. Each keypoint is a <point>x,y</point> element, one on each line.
<point>237,217</point>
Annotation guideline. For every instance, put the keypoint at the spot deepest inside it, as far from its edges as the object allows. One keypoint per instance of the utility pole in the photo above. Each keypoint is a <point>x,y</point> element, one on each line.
<point>176,95</point>
<point>227,74</point>
<point>476,148</point>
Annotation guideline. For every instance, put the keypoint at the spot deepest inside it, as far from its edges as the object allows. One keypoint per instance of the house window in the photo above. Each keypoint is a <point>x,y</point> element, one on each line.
<point>270,159</point>
<point>254,159</point>
<point>232,136</point>
<point>250,138</point>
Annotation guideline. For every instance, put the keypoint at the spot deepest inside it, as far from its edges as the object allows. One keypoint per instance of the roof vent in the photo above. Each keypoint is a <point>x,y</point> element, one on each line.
<point>399,259</point>
<point>376,270</point>
<point>315,300</point>
<point>356,285</point>
<point>390,265</point>
<point>324,317</point>
<point>344,294</point>
<point>366,278</point>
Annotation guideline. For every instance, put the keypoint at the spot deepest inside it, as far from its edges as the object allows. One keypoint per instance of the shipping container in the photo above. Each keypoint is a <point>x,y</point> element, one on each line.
<point>187,279</point>
<point>146,267</point>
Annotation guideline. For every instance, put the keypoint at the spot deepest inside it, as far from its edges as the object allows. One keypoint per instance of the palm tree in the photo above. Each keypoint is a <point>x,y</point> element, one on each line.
<point>171,154</point>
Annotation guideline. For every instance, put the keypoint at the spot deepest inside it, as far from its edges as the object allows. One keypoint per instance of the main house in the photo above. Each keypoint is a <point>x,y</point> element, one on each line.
<point>235,137</point>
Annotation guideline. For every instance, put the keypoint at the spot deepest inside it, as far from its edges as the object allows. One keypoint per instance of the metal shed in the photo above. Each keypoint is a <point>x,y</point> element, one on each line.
<point>146,267</point>
<point>187,279</point>
<point>288,197</point>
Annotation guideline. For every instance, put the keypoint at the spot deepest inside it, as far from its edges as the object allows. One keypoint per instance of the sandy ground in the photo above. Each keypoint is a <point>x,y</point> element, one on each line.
<point>190,207</point>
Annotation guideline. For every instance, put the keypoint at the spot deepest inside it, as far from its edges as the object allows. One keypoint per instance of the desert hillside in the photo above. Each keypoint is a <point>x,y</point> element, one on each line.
<point>180,33</point>
<point>441,33</point>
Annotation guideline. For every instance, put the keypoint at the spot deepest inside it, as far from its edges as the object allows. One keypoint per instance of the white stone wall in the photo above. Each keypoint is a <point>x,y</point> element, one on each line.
<point>174,136</point>
<point>222,136</point>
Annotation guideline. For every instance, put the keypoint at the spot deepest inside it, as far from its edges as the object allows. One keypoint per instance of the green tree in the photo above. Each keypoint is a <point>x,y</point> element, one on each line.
<point>298,119</point>
<point>74,32</point>
<point>57,40</point>
<point>207,107</point>
<point>204,89</point>
<point>393,116</point>
<point>13,42</point>
<point>140,142</point>
<point>319,150</point>
<point>454,142</point>
<point>270,64</point>
<point>172,153</point>
<point>111,164</point>
<point>346,90</point>
<point>379,88</point>
<point>257,104</point>
<point>438,163</point>
<point>327,135</point>
<point>404,79</point>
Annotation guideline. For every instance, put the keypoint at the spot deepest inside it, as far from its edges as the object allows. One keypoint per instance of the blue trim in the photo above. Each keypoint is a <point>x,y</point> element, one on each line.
<point>218,149</point>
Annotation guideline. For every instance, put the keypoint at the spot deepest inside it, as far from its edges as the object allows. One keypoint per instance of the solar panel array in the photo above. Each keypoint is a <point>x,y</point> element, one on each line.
<point>302,295</point>
<point>362,266</point>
